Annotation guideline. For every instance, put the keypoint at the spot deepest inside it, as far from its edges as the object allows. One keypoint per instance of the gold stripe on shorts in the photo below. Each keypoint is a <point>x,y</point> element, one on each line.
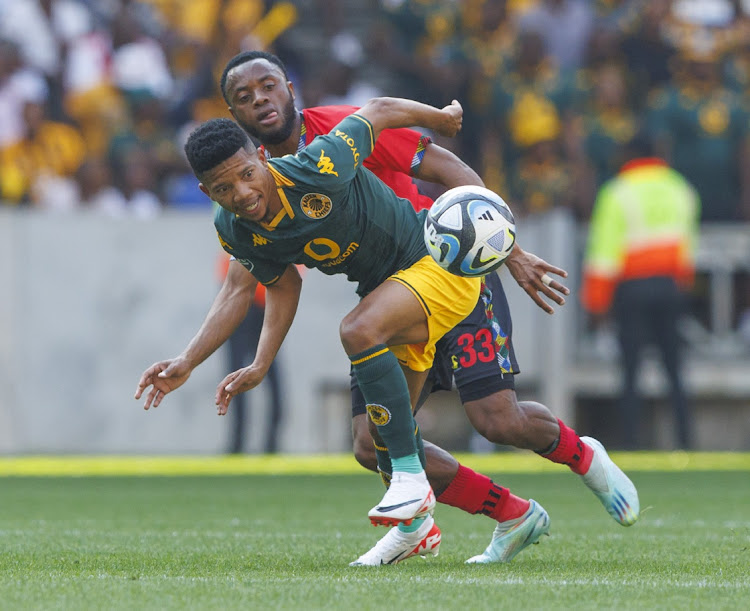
<point>425,307</point>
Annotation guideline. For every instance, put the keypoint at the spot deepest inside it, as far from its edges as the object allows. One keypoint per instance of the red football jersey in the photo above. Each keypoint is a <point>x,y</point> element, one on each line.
<point>393,157</point>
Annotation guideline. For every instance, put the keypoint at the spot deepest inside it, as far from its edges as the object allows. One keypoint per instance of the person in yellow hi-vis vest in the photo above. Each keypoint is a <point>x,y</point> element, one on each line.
<point>639,263</point>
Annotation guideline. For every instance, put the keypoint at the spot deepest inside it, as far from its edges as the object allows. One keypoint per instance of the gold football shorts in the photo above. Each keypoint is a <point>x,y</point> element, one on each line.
<point>446,300</point>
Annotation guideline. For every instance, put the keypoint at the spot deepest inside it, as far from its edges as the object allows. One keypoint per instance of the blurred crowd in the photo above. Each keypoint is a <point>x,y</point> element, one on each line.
<point>97,96</point>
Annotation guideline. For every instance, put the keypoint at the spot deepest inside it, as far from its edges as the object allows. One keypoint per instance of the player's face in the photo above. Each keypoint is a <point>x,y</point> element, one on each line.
<point>262,100</point>
<point>244,186</point>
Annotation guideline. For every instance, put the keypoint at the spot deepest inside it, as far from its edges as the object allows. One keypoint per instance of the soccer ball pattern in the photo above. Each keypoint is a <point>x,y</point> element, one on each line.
<point>469,231</point>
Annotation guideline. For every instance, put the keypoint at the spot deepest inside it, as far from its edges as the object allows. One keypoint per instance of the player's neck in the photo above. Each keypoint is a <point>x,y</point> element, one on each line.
<point>274,207</point>
<point>289,146</point>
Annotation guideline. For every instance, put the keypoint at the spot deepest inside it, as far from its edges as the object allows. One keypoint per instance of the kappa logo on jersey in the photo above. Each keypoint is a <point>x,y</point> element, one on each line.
<point>223,242</point>
<point>259,240</point>
<point>378,414</point>
<point>316,205</point>
<point>325,165</point>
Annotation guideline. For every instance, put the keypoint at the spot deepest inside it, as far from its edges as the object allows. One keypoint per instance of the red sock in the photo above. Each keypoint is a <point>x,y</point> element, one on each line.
<point>571,451</point>
<point>477,493</point>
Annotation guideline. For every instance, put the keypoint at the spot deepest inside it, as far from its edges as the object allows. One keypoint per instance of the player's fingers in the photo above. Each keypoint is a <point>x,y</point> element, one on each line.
<point>552,287</point>
<point>169,371</point>
<point>560,289</point>
<point>223,404</point>
<point>149,399</point>
<point>143,383</point>
<point>157,398</point>
<point>540,302</point>
<point>558,271</point>
<point>554,296</point>
<point>221,391</point>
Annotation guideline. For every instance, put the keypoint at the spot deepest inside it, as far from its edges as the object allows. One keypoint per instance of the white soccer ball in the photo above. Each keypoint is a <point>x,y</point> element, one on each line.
<point>470,231</point>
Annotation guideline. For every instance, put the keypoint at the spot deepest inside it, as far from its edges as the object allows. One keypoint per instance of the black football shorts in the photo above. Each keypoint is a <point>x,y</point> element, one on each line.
<point>477,354</point>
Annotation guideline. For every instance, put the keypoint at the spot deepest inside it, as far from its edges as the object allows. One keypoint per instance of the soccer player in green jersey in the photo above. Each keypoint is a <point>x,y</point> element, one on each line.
<point>321,208</point>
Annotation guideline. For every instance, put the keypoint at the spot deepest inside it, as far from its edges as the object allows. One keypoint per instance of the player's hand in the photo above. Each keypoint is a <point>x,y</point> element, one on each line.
<point>236,382</point>
<point>532,275</point>
<point>452,121</point>
<point>163,377</point>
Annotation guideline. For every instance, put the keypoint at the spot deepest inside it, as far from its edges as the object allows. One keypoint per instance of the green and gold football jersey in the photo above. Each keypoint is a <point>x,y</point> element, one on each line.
<point>337,216</point>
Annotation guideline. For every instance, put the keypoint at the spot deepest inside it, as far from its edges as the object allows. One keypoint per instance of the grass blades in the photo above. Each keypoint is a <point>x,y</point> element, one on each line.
<point>284,542</point>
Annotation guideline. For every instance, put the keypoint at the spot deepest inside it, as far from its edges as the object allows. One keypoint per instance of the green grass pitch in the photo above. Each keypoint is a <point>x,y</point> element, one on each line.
<point>283,541</point>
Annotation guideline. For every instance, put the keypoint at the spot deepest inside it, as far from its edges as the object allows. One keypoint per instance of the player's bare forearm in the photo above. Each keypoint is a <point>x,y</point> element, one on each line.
<point>282,299</point>
<point>227,311</point>
<point>391,113</point>
<point>442,167</point>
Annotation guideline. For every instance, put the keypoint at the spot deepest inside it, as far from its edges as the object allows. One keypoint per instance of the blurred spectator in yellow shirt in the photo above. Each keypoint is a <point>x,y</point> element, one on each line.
<point>47,149</point>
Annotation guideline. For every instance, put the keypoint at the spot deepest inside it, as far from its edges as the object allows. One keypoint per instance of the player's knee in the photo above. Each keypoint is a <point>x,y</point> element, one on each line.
<point>355,334</point>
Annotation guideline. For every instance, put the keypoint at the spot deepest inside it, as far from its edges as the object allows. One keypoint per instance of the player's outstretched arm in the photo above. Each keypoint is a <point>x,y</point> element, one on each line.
<point>282,298</point>
<point>227,312</point>
<point>442,167</point>
<point>532,275</point>
<point>528,270</point>
<point>391,113</point>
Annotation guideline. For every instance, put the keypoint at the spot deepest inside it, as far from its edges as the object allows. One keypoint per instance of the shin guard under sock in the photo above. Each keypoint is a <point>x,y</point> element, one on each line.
<point>387,395</point>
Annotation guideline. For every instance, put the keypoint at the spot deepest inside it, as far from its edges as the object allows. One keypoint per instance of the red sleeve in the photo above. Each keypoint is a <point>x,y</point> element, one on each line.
<point>323,119</point>
<point>392,158</point>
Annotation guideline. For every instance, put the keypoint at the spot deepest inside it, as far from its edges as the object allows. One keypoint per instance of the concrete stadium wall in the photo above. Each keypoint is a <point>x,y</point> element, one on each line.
<point>86,303</point>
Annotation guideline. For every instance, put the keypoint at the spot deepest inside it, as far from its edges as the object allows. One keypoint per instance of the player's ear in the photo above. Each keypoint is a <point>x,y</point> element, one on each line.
<point>290,86</point>
<point>261,157</point>
<point>202,187</point>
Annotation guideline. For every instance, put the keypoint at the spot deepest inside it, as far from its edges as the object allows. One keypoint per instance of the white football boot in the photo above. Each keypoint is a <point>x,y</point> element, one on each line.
<point>612,487</point>
<point>512,536</point>
<point>409,496</point>
<point>397,546</point>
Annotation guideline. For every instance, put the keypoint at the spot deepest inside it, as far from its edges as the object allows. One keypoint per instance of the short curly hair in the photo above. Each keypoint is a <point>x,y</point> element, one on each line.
<point>243,58</point>
<point>213,142</point>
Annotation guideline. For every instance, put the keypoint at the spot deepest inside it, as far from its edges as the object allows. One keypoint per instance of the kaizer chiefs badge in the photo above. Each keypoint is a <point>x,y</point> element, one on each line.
<point>316,205</point>
<point>378,414</point>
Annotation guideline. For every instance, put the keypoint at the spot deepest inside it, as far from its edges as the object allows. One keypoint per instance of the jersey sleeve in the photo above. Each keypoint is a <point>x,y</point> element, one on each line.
<point>265,271</point>
<point>335,157</point>
<point>399,150</point>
